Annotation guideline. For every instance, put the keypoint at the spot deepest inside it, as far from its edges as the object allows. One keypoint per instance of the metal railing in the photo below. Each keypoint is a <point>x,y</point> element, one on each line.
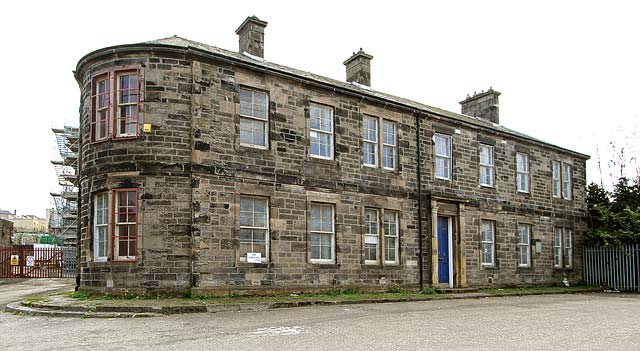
<point>29,262</point>
<point>617,268</point>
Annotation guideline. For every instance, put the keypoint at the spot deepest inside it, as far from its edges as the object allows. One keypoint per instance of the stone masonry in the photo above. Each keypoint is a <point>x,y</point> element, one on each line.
<point>190,169</point>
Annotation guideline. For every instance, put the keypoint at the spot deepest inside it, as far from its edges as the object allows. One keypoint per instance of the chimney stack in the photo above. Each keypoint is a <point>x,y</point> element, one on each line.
<point>251,36</point>
<point>359,68</point>
<point>483,105</point>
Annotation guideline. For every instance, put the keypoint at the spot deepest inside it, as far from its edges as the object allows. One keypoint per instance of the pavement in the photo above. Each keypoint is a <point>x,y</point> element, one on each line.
<point>594,321</point>
<point>53,305</point>
<point>12,290</point>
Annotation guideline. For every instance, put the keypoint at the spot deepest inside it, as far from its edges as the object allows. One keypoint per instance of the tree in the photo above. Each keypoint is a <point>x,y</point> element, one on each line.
<point>614,217</point>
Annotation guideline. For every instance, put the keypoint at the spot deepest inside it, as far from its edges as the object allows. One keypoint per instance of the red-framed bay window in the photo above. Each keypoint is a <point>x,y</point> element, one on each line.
<point>125,224</point>
<point>115,105</point>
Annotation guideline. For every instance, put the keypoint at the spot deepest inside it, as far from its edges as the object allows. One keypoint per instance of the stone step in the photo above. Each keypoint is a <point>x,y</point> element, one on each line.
<point>19,308</point>
<point>456,290</point>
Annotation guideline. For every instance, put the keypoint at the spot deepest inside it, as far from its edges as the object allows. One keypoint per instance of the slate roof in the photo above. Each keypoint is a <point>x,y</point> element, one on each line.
<point>259,62</point>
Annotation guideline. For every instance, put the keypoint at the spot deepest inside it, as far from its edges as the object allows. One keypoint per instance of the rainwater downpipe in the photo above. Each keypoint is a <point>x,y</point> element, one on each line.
<point>419,175</point>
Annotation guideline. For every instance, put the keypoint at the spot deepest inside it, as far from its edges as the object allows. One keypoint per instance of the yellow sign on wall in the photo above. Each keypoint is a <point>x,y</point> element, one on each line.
<point>15,259</point>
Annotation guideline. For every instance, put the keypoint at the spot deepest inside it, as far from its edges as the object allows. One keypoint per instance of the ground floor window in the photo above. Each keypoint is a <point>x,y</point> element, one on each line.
<point>524,246</point>
<point>562,248</point>
<point>254,228</point>
<point>391,237</point>
<point>374,234</point>
<point>115,225</point>
<point>487,243</point>
<point>322,233</point>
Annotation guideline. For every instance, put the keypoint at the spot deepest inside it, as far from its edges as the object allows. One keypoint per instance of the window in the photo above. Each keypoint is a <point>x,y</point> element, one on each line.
<point>524,246</point>
<point>125,224</point>
<point>322,233</point>
<point>370,143</point>
<point>488,243</point>
<point>254,227</point>
<point>443,156</point>
<point>389,145</point>
<point>371,236</point>
<point>486,166</point>
<point>321,132</point>
<point>391,237</point>
<point>555,170</point>
<point>101,226</point>
<point>522,165</point>
<point>562,248</point>
<point>118,106</point>
<point>566,181</point>
<point>127,104</point>
<point>100,113</point>
<point>254,120</point>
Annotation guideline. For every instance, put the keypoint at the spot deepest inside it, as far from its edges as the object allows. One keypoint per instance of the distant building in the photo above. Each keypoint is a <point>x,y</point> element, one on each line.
<point>209,170</point>
<point>6,232</point>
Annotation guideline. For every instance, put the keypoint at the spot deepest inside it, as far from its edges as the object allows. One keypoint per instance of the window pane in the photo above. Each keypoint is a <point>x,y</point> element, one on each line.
<point>371,221</point>
<point>321,118</point>
<point>369,153</point>
<point>389,133</point>
<point>443,147</point>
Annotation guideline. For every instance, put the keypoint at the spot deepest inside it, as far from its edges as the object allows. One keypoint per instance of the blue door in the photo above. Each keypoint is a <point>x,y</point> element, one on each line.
<point>443,250</point>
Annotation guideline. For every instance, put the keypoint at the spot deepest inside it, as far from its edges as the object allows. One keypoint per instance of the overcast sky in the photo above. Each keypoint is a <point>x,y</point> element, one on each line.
<point>568,70</point>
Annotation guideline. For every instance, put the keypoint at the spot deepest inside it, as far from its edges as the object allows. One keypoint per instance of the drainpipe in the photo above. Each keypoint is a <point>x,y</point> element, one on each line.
<point>419,161</point>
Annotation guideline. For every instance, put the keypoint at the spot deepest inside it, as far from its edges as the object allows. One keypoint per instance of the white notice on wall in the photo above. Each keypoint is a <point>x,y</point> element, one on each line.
<point>254,257</point>
<point>370,240</point>
<point>313,134</point>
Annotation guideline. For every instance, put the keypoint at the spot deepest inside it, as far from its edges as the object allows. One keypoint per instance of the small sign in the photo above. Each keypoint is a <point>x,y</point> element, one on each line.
<point>31,261</point>
<point>313,134</point>
<point>15,260</point>
<point>254,257</point>
<point>370,240</point>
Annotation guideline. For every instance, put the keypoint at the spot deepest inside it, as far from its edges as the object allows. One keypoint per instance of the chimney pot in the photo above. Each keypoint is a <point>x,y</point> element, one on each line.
<point>251,36</point>
<point>359,68</point>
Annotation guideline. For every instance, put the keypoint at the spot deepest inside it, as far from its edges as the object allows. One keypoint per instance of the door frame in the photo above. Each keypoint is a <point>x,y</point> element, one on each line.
<point>454,210</point>
<point>450,251</point>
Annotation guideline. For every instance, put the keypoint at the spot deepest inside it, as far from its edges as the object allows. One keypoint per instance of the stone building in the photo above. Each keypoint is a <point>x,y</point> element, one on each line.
<point>6,231</point>
<point>209,170</point>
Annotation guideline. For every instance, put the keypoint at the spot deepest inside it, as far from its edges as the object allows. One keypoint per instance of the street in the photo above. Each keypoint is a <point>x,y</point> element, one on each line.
<point>552,322</point>
<point>16,289</point>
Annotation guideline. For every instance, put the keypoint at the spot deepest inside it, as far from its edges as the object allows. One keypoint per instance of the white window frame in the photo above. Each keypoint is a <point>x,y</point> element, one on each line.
<point>119,133</point>
<point>101,204</point>
<point>491,243</point>
<point>371,235</point>
<point>387,225</point>
<point>265,258</point>
<point>367,140</point>
<point>524,172</point>
<point>329,132</point>
<point>524,246</point>
<point>556,178</point>
<point>489,166</point>
<point>447,158</point>
<point>567,249</point>
<point>557,247</point>
<point>567,188</point>
<point>388,146</point>
<point>97,97</point>
<point>332,233</point>
<point>254,117</point>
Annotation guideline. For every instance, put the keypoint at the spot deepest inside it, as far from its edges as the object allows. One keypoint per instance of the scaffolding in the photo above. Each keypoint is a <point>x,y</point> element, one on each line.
<point>63,222</point>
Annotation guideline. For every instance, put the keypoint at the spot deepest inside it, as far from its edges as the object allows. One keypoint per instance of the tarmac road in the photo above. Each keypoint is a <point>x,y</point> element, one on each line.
<point>551,322</point>
<point>17,289</point>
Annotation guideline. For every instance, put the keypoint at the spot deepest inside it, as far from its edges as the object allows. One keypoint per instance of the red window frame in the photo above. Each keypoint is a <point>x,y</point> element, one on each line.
<point>112,124</point>
<point>94,106</point>
<point>116,223</point>
<point>116,103</point>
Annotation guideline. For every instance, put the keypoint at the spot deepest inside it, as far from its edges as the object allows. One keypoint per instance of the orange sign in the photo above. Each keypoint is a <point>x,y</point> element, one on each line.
<point>15,260</point>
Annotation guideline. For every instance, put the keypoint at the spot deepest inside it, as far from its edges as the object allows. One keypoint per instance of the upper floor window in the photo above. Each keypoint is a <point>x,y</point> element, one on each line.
<point>522,172</point>
<point>254,119</point>
<point>566,181</point>
<point>442,155</point>
<point>487,242</point>
<point>389,144</point>
<point>115,107</point>
<point>321,132</point>
<point>370,141</point>
<point>322,233</point>
<point>487,169</point>
<point>555,178</point>
<point>254,227</point>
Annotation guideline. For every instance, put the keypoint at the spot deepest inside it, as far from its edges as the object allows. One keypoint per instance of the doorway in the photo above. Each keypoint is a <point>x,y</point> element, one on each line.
<point>445,251</point>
